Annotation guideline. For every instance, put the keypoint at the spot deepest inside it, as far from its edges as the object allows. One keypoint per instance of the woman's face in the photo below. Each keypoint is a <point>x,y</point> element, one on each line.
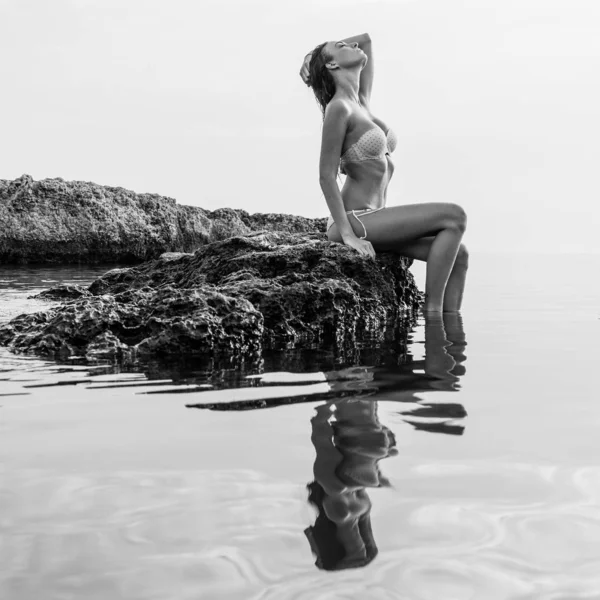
<point>345,55</point>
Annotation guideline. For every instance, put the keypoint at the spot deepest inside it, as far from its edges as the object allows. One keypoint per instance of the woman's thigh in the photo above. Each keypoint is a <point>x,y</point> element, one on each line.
<point>417,249</point>
<point>395,226</point>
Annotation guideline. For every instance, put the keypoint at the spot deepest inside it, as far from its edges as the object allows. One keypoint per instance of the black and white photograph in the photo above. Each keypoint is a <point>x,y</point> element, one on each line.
<point>299,300</point>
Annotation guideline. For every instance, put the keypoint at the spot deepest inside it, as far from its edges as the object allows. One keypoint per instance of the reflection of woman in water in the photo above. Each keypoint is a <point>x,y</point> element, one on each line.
<point>349,442</point>
<point>360,144</point>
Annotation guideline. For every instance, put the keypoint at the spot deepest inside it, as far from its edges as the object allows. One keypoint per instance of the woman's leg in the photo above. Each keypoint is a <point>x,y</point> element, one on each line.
<point>453,294</point>
<point>400,226</point>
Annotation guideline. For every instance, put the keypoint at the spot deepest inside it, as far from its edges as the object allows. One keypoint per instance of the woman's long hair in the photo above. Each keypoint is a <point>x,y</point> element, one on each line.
<point>321,81</point>
<point>324,542</point>
<point>319,78</point>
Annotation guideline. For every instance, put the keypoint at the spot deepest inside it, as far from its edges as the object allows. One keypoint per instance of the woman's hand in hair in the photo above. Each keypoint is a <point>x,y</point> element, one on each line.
<point>361,246</point>
<point>304,73</point>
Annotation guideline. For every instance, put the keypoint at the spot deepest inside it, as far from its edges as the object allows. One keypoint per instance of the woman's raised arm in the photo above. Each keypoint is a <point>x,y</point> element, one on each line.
<point>367,74</point>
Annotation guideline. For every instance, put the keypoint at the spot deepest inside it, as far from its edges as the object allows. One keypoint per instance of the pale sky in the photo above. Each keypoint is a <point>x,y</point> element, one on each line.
<point>496,104</point>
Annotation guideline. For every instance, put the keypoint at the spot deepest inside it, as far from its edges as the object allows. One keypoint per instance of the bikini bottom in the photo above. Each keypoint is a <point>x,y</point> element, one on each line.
<point>356,214</point>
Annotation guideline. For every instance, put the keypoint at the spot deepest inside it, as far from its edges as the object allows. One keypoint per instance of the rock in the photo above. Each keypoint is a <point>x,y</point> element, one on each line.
<point>106,345</point>
<point>57,221</point>
<point>62,292</point>
<point>232,297</point>
<point>173,255</point>
<point>138,323</point>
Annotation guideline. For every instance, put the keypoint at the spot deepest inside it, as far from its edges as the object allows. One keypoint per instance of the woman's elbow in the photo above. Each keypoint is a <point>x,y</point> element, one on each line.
<point>326,178</point>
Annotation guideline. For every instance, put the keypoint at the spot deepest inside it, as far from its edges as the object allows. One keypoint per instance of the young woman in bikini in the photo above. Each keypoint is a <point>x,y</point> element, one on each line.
<point>353,139</point>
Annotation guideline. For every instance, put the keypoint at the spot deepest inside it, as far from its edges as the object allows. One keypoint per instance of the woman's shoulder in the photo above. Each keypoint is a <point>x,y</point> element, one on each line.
<point>338,107</point>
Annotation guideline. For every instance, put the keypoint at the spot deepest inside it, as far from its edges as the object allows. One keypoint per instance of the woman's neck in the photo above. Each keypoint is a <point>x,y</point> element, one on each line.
<point>347,86</point>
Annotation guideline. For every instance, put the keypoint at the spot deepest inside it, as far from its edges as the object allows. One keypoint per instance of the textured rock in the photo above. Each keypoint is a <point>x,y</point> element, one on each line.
<point>140,323</point>
<point>232,297</point>
<point>63,292</point>
<point>57,221</point>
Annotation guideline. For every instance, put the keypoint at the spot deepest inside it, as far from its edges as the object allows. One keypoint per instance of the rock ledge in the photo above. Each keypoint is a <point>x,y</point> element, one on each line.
<point>57,221</point>
<point>233,297</point>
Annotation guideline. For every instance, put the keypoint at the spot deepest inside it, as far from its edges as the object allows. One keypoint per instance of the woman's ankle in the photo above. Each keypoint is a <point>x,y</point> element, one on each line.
<point>432,308</point>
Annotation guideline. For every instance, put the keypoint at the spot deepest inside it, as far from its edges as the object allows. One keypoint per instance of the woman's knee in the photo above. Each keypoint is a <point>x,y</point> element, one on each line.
<point>462,258</point>
<point>458,217</point>
<point>333,234</point>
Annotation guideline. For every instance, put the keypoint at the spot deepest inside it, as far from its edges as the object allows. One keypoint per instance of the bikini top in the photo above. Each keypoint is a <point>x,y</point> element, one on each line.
<point>370,145</point>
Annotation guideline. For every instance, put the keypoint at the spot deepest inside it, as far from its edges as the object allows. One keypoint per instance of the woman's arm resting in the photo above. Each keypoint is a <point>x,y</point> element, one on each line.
<point>335,124</point>
<point>367,74</point>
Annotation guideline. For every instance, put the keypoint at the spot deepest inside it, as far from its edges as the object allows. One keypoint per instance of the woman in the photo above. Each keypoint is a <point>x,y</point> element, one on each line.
<point>341,76</point>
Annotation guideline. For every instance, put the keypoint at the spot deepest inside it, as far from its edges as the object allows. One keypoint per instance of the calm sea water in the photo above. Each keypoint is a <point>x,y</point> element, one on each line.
<point>467,467</point>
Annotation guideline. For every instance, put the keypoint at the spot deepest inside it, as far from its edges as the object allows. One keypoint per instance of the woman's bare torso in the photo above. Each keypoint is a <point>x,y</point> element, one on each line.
<point>367,181</point>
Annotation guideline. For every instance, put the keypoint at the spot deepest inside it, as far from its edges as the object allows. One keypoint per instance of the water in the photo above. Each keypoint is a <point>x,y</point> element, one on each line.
<point>467,466</point>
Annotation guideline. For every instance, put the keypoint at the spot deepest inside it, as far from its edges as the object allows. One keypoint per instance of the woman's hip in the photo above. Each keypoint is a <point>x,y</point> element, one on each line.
<point>357,212</point>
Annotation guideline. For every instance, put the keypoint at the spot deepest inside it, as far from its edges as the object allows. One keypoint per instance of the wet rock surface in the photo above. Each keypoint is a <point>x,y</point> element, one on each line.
<point>138,324</point>
<point>63,292</point>
<point>235,297</point>
<point>57,221</point>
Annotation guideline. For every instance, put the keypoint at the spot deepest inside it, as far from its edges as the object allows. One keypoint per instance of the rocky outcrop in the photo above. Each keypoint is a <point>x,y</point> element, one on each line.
<point>57,221</point>
<point>232,297</point>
